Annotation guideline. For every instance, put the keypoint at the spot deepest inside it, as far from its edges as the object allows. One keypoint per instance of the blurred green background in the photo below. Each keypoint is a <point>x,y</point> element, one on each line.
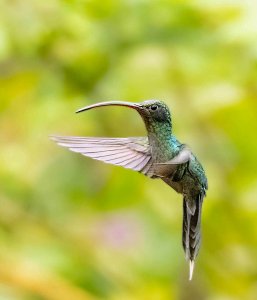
<point>76,229</point>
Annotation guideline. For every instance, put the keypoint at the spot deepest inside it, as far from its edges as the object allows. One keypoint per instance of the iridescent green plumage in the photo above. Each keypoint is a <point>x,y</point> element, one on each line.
<point>159,155</point>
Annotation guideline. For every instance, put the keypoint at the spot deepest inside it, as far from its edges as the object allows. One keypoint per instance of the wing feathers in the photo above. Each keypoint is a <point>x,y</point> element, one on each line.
<point>132,153</point>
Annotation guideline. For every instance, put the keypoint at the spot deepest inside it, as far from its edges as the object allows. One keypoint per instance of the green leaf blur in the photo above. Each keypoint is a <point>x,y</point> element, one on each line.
<point>77,229</point>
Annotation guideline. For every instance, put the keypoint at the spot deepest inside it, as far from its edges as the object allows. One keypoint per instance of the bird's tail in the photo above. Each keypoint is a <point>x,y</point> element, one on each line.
<point>191,229</point>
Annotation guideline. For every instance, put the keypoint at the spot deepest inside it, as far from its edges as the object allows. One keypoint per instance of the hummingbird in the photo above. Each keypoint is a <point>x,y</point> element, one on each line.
<point>159,155</point>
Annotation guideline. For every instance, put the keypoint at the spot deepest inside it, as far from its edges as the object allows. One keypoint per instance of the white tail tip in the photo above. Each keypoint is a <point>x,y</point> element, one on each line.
<point>191,269</point>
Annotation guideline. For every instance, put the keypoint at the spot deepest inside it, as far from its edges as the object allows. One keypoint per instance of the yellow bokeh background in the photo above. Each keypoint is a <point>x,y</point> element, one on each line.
<point>72,228</point>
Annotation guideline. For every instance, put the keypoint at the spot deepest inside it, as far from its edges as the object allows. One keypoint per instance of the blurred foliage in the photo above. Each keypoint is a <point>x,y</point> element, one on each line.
<point>77,229</point>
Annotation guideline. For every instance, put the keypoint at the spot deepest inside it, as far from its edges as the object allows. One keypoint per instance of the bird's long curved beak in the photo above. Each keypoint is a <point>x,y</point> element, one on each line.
<point>110,103</point>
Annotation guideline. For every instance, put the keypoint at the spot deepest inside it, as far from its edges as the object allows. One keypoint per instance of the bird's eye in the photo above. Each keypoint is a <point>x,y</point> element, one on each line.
<point>154,107</point>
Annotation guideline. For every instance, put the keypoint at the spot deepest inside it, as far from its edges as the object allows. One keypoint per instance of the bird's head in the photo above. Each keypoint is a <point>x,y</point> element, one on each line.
<point>152,111</point>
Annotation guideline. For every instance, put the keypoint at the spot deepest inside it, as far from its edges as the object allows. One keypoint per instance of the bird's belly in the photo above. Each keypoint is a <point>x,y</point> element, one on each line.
<point>182,182</point>
<point>177,186</point>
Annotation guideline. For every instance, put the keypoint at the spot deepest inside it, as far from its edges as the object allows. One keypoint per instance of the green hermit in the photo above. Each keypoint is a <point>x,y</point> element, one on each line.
<point>159,155</point>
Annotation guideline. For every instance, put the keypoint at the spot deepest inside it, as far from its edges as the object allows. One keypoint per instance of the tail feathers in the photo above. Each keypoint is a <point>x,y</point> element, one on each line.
<point>191,269</point>
<point>191,229</point>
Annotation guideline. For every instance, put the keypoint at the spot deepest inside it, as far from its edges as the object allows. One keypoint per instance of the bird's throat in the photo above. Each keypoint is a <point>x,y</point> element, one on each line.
<point>161,140</point>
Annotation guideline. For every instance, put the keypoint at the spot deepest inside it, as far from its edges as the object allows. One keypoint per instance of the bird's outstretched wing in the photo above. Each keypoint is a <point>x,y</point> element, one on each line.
<point>131,153</point>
